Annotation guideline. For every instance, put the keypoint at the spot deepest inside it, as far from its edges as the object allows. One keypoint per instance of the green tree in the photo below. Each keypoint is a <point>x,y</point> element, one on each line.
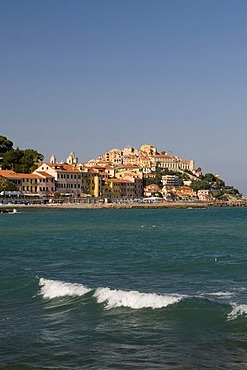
<point>29,160</point>
<point>6,185</point>
<point>11,159</point>
<point>21,161</point>
<point>151,180</point>
<point>5,145</point>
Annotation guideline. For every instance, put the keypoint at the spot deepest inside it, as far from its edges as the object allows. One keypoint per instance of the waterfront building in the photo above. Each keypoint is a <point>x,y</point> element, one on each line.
<point>181,192</point>
<point>185,192</point>
<point>67,177</point>
<point>204,195</point>
<point>92,182</point>
<point>29,183</point>
<point>151,190</point>
<point>36,183</point>
<point>134,178</point>
<point>13,177</point>
<point>114,188</point>
<point>46,183</point>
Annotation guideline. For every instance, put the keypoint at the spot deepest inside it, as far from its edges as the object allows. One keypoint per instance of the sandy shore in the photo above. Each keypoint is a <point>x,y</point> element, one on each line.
<point>160,205</point>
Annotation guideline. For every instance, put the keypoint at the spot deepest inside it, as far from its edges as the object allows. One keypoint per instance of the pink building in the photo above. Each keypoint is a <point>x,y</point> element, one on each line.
<point>68,179</point>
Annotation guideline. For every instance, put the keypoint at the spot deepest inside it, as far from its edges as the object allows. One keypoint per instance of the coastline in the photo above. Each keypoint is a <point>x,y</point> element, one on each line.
<point>8,208</point>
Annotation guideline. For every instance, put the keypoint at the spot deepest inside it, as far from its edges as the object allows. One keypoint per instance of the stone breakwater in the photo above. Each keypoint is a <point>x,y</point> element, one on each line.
<point>8,208</point>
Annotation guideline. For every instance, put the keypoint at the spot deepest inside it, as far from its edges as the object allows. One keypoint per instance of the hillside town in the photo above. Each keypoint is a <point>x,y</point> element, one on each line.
<point>117,175</point>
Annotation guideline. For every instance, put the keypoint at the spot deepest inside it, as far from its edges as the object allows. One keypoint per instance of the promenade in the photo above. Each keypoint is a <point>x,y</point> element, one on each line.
<point>6,208</point>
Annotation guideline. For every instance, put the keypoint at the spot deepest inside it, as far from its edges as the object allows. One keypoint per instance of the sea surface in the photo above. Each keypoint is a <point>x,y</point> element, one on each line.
<point>123,289</point>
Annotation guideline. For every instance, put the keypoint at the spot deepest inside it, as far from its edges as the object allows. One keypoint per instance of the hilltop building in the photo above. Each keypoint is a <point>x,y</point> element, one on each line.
<point>72,159</point>
<point>117,173</point>
<point>149,150</point>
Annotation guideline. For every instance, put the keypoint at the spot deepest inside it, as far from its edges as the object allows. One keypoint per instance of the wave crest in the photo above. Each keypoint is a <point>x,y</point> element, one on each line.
<point>55,288</point>
<point>134,299</point>
<point>237,310</point>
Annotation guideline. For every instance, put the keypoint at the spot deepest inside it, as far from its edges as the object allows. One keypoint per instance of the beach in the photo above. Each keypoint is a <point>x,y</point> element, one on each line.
<point>130,205</point>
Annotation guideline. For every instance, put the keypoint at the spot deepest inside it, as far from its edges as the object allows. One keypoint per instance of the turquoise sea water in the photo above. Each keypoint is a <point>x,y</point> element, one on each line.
<point>124,289</point>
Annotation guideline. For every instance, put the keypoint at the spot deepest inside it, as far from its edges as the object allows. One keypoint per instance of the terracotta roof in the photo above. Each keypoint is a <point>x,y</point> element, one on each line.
<point>14,175</point>
<point>8,173</point>
<point>45,174</point>
<point>64,168</point>
<point>28,176</point>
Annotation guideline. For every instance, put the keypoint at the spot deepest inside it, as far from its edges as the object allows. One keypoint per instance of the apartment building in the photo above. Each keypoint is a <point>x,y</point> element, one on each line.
<point>114,156</point>
<point>114,188</point>
<point>46,183</point>
<point>92,182</point>
<point>172,163</point>
<point>151,190</point>
<point>67,177</point>
<point>31,183</point>
<point>13,177</point>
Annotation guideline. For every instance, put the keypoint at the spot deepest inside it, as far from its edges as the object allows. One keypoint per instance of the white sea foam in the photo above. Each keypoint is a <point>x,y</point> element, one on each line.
<point>134,299</point>
<point>237,310</point>
<point>221,294</point>
<point>55,288</point>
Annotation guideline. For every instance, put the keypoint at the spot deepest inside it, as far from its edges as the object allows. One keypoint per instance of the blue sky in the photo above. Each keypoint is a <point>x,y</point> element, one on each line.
<point>90,75</point>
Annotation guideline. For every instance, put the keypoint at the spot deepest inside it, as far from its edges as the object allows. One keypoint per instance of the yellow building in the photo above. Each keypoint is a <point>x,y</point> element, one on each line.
<point>92,183</point>
<point>114,156</point>
<point>148,149</point>
<point>119,188</point>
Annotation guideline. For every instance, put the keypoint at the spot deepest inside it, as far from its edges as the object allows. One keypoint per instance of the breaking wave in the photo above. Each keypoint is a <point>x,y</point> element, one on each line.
<point>55,288</point>
<point>113,298</point>
<point>237,310</point>
<point>134,299</point>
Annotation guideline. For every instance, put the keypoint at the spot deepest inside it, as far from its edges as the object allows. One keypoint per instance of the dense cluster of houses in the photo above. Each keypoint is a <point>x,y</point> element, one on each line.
<point>116,174</point>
